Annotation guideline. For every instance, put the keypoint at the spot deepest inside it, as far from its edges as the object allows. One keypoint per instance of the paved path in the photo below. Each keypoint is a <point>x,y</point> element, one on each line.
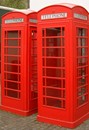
<point>10,121</point>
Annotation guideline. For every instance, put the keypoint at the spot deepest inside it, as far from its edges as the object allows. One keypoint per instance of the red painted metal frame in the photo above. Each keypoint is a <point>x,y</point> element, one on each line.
<point>18,99</point>
<point>76,108</point>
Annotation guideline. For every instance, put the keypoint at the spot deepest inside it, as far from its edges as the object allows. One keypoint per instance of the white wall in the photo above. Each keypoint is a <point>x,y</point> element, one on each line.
<point>38,4</point>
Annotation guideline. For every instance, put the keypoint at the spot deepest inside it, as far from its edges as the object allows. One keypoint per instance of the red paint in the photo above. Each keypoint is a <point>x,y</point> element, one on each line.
<point>63,65</point>
<point>19,94</point>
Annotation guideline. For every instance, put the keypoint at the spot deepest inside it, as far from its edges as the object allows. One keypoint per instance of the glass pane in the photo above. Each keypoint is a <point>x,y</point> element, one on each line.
<point>19,33</point>
<point>12,34</point>
<point>53,31</point>
<point>34,51</point>
<point>62,42</point>
<point>82,81</point>
<point>55,72</point>
<point>54,82</point>
<point>43,61</point>
<point>34,60</point>
<point>11,85</point>
<point>56,52</point>
<point>34,34</point>
<point>54,93</point>
<point>12,51</point>
<point>53,41</point>
<point>13,94</point>
<point>63,83</point>
<point>54,102</point>
<point>63,31</point>
<point>82,100</point>
<point>14,77</point>
<point>82,61</point>
<point>43,42</point>
<point>43,52</point>
<point>43,32</point>
<point>82,71</point>
<point>53,62</point>
<point>81,32</point>
<point>12,68</point>
<point>82,91</point>
<point>11,59</point>
<point>12,42</point>
<point>82,51</point>
<point>82,42</point>
<point>62,52</point>
<point>34,94</point>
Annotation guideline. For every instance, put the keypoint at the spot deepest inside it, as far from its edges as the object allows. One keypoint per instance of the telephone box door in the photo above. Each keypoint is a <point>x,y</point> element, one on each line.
<point>34,85</point>
<point>52,66</point>
<point>81,70</point>
<point>12,86</point>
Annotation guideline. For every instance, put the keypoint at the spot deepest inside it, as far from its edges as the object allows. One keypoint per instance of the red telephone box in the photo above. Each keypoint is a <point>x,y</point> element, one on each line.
<point>63,65</point>
<point>19,86</point>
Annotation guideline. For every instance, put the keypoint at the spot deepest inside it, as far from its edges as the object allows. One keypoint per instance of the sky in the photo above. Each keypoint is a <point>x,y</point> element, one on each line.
<point>39,4</point>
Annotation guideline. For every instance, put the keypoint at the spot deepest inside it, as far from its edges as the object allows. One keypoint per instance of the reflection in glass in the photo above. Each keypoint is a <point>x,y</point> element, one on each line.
<point>82,42</point>
<point>82,51</point>
<point>82,61</point>
<point>82,81</point>
<point>81,91</point>
<point>53,31</point>
<point>81,32</point>
<point>53,42</point>
<point>82,71</point>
